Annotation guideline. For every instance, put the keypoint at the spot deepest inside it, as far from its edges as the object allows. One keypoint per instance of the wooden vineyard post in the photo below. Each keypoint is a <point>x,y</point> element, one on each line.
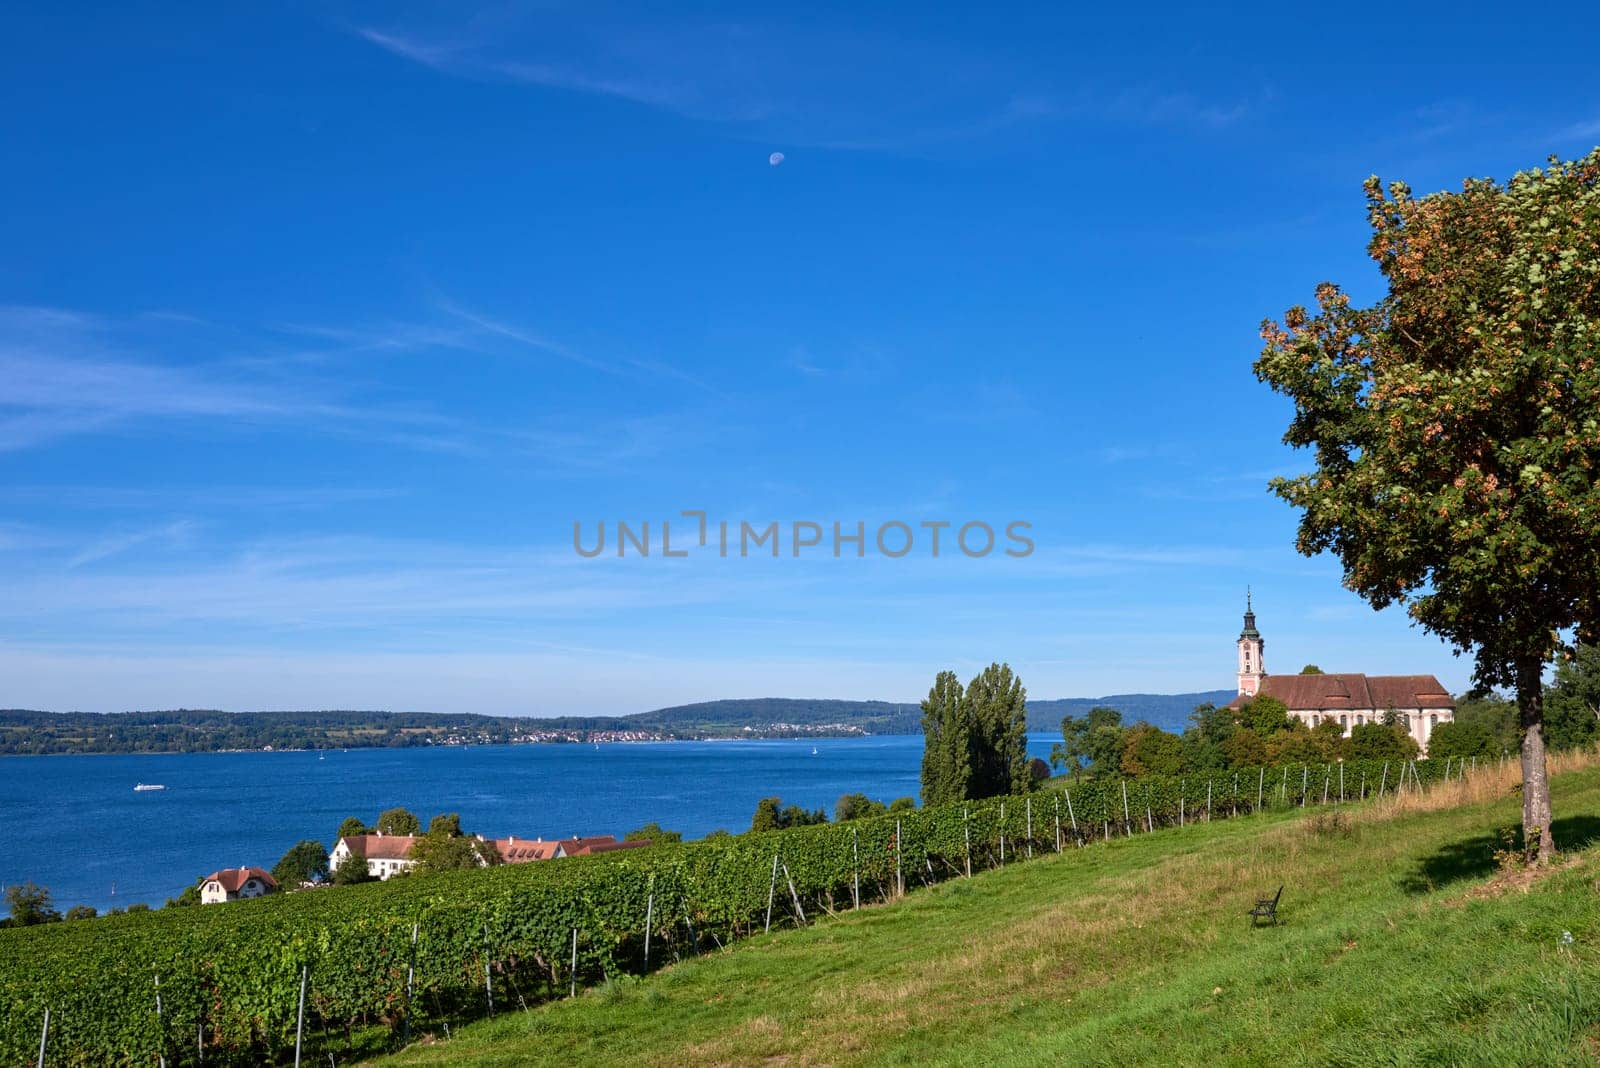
<point>1363,789</point>
<point>899,854</point>
<point>966,830</point>
<point>1341,782</point>
<point>300,1016</point>
<point>1327,781</point>
<point>795,894</point>
<point>411,976</point>
<point>1208,799</point>
<point>1074,818</point>
<point>1384,782</point>
<point>855,872</point>
<point>488,982</point>
<point>1030,827</point>
<point>574,991</point>
<point>772,888</point>
<point>1447,768</point>
<point>649,914</point>
<point>1283,787</point>
<point>1305,781</point>
<point>44,1037</point>
<point>1127,820</point>
<point>1058,824</point>
<point>1002,832</point>
<point>1183,784</point>
<point>161,1039</point>
<point>1233,802</point>
<point>1261,783</point>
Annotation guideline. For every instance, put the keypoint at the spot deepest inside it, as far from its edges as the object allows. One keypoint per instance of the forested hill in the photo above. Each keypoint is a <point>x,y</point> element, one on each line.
<point>209,730</point>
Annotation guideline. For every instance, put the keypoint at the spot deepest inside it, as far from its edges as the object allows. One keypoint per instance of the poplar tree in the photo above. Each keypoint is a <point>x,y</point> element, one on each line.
<point>947,741</point>
<point>1456,428</point>
<point>999,737</point>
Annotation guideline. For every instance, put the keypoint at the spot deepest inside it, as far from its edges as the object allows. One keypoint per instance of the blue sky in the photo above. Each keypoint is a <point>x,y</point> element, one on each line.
<point>320,326</point>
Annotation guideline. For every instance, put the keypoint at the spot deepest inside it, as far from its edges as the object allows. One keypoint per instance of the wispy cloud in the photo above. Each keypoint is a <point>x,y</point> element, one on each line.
<point>1580,131</point>
<point>808,84</point>
<point>64,374</point>
<point>176,533</point>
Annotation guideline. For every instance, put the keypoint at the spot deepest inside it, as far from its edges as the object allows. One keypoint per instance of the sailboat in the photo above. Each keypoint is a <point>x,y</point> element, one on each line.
<point>813,750</point>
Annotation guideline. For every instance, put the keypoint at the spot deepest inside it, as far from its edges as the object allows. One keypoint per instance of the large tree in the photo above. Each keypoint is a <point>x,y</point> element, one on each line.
<point>398,821</point>
<point>946,741</point>
<point>30,904</point>
<point>999,738</point>
<point>1094,740</point>
<point>1456,428</point>
<point>305,862</point>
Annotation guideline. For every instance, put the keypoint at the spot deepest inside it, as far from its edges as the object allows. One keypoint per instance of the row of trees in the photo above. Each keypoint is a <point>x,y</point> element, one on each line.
<point>975,737</point>
<point>773,815</point>
<point>1258,733</point>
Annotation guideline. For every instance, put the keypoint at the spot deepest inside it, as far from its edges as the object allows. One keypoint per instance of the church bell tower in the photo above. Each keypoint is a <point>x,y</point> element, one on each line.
<point>1252,669</point>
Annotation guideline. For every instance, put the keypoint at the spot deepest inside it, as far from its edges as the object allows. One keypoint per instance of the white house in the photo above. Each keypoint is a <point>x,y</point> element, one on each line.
<point>385,854</point>
<point>232,884</point>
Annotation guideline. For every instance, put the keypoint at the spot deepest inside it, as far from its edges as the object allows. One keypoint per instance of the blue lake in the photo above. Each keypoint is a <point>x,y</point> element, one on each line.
<point>75,824</point>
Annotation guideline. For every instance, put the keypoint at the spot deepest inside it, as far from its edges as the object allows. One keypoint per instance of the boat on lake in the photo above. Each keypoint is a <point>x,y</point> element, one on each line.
<point>141,787</point>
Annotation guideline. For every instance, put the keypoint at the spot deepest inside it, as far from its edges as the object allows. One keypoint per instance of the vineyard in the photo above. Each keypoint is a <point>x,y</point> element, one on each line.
<point>344,973</point>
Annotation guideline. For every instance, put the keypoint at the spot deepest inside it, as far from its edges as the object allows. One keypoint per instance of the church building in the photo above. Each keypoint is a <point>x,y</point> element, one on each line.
<point>1419,702</point>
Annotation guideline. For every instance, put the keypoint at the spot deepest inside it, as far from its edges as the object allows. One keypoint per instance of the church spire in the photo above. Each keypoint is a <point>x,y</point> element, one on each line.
<point>1252,647</point>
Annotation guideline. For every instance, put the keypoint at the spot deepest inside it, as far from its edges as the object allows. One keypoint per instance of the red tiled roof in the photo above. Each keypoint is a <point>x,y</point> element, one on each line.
<point>233,879</point>
<point>380,846</point>
<point>522,850</point>
<point>1324,693</point>
<point>612,847</point>
<point>600,843</point>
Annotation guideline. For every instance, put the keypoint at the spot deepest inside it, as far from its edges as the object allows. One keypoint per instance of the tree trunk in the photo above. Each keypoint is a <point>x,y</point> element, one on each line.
<point>1537,843</point>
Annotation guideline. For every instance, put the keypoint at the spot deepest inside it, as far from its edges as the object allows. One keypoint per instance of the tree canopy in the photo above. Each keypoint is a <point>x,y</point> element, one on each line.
<point>772,815</point>
<point>1454,427</point>
<point>398,821</point>
<point>30,904</point>
<point>975,739</point>
<point>305,862</point>
<point>653,833</point>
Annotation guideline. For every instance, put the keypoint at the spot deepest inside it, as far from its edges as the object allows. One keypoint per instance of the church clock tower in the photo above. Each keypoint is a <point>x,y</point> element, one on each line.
<point>1252,669</point>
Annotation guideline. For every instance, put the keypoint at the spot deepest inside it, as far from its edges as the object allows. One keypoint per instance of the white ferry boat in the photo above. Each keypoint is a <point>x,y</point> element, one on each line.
<point>143,786</point>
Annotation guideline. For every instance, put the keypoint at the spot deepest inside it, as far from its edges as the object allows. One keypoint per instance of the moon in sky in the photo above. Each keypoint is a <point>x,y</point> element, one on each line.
<point>775,159</point>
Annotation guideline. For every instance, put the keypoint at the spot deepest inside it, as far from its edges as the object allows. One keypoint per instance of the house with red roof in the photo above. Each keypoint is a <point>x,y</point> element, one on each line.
<point>514,850</point>
<point>385,854</point>
<point>1419,703</point>
<point>233,884</point>
<point>600,843</point>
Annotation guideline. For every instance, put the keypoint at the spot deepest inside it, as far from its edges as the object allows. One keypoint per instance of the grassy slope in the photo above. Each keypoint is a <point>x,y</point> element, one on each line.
<point>1400,945</point>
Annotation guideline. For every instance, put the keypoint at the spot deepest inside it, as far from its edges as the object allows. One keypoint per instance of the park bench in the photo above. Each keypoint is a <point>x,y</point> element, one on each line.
<point>1266,909</point>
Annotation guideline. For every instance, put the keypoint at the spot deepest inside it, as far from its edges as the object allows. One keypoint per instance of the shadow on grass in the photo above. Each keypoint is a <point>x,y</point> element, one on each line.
<point>1473,858</point>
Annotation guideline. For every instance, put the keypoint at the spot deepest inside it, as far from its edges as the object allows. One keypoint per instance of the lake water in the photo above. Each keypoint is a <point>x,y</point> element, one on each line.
<point>75,824</point>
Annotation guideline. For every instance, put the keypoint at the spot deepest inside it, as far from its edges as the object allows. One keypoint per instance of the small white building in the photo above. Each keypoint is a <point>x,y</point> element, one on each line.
<point>232,884</point>
<point>385,854</point>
